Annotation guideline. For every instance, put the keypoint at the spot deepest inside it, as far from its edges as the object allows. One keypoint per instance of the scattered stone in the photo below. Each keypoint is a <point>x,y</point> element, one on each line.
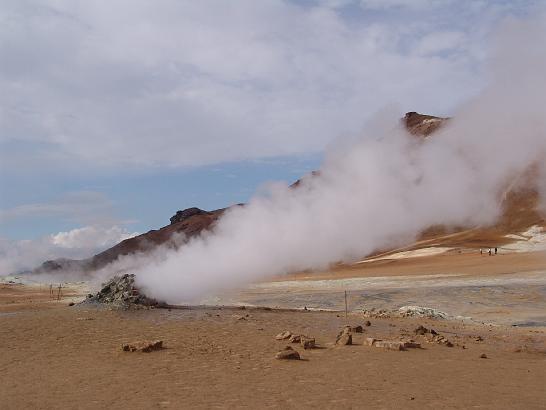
<point>389,345</point>
<point>283,335</point>
<point>478,339</point>
<point>357,329</point>
<point>345,337</point>
<point>295,339</point>
<point>145,347</point>
<point>421,330</point>
<point>288,353</point>
<point>307,342</point>
<point>411,344</point>
<point>367,323</point>
<point>370,341</point>
<point>71,304</point>
<point>376,313</point>
<point>483,356</point>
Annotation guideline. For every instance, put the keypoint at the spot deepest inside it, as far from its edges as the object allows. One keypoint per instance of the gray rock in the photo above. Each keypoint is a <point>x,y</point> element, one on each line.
<point>288,353</point>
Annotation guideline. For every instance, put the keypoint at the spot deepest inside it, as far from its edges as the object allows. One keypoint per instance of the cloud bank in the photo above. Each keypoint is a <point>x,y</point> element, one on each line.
<point>181,83</point>
<point>380,189</point>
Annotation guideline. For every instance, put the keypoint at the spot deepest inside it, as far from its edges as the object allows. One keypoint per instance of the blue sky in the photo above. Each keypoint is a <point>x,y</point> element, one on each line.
<point>118,113</point>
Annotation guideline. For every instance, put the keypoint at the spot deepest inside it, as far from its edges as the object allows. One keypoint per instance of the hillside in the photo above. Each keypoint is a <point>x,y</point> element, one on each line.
<point>519,214</point>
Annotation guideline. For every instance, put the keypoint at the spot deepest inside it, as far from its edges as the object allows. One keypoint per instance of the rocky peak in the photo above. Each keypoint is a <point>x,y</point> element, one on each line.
<point>186,213</point>
<point>422,125</point>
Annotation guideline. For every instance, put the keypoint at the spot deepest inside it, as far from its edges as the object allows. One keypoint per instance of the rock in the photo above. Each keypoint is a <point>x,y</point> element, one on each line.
<point>288,354</point>
<point>421,330</point>
<point>71,304</point>
<point>185,214</point>
<point>295,339</point>
<point>344,339</point>
<point>307,342</point>
<point>483,356</point>
<point>357,329</point>
<point>389,345</point>
<point>145,347</point>
<point>370,341</point>
<point>367,323</point>
<point>411,344</point>
<point>283,335</point>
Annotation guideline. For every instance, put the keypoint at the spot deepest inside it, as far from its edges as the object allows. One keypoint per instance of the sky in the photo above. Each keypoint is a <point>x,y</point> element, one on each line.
<point>115,114</point>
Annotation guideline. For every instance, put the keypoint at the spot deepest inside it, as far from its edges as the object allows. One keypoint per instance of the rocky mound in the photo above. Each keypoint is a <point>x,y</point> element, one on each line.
<point>121,291</point>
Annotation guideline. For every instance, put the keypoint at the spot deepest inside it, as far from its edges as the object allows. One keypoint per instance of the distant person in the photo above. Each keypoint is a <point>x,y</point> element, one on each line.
<point>496,250</point>
<point>490,252</point>
<point>481,251</point>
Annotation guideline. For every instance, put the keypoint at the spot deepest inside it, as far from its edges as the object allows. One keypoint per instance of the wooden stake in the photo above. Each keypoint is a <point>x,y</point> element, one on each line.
<point>345,304</point>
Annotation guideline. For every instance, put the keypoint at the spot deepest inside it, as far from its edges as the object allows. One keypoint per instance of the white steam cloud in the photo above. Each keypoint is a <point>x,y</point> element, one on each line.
<point>379,190</point>
<point>76,243</point>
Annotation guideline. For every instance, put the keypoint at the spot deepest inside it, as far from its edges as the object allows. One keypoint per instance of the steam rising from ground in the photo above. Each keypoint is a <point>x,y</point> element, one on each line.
<point>379,190</point>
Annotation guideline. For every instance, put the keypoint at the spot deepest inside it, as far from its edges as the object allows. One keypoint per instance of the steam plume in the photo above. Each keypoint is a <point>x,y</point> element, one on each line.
<point>381,189</point>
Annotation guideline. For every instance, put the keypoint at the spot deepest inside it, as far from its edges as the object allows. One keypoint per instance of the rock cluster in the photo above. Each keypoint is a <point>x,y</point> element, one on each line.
<point>145,347</point>
<point>121,291</point>
<point>305,341</point>
<point>431,336</point>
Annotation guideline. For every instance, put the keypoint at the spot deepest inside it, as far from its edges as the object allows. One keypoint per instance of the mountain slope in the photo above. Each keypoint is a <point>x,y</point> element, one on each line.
<point>519,213</point>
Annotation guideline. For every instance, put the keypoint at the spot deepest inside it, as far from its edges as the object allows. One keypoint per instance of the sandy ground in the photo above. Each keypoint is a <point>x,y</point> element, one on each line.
<point>56,356</point>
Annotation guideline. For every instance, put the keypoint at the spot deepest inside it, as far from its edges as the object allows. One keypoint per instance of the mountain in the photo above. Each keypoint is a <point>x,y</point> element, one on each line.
<point>519,213</point>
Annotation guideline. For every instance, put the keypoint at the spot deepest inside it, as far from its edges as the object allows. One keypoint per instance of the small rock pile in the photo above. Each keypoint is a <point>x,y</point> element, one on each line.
<point>121,291</point>
<point>145,347</point>
<point>432,336</point>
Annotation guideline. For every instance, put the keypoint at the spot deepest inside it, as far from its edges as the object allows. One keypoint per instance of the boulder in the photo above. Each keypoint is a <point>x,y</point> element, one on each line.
<point>369,341</point>
<point>283,335</point>
<point>288,353</point>
<point>145,347</point>
<point>389,345</point>
<point>307,342</point>
<point>411,344</point>
<point>344,338</point>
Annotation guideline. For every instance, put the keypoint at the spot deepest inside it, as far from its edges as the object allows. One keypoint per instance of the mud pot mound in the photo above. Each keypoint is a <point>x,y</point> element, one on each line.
<point>121,291</point>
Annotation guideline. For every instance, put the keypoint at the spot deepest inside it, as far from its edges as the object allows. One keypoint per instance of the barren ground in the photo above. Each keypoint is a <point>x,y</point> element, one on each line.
<point>56,356</point>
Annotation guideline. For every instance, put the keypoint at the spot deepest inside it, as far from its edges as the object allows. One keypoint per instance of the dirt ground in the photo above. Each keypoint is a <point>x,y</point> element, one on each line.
<point>56,356</point>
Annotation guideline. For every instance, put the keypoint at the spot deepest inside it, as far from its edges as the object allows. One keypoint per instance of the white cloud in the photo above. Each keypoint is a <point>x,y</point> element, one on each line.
<point>91,237</point>
<point>189,83</point>
<point>75,244</point>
